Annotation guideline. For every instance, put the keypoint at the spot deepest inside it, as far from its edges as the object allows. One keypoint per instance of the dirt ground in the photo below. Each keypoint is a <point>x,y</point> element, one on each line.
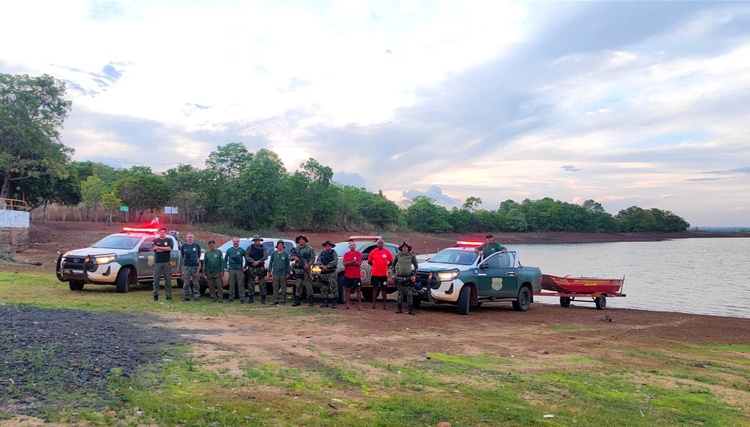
<point>350,337</point>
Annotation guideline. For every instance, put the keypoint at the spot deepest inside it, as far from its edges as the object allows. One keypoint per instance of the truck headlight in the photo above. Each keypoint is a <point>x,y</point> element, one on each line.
<point>447,276</point>
<point>103,259</point>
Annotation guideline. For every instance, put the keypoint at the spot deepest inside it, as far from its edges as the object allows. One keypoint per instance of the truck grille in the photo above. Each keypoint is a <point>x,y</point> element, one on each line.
<point>76,263</point>
<point>423,277</point>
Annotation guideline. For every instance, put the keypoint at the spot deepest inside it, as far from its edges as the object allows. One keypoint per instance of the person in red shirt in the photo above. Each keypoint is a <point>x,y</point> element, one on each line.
<point>352,275</point>
<point>380,259</point>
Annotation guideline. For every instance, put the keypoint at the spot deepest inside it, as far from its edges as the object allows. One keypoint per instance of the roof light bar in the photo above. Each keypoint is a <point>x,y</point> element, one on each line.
<point>468,244</point>
<point>139,230</point>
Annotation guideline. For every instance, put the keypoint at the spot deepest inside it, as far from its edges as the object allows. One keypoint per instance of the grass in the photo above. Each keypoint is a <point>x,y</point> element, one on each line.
<point>671,383</point>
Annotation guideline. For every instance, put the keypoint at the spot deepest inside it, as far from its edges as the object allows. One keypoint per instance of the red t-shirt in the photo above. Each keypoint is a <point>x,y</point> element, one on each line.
<point>379,260</point>
<point>352,271</point>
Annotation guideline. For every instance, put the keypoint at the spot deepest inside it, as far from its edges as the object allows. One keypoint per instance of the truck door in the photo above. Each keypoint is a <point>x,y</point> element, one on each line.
<point>497,277</point>
<point>145,259</point>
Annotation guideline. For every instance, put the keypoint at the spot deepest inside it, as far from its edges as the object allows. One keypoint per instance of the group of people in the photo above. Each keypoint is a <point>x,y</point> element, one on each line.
<point>246,266</point>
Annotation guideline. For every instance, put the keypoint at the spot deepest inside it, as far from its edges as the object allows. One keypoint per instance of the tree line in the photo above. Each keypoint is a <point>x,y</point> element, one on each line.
<point>250,190</point>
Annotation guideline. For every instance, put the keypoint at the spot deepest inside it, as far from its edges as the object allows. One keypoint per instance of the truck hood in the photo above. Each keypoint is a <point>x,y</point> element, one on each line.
<point>96,251</point>
<point>438,266</point>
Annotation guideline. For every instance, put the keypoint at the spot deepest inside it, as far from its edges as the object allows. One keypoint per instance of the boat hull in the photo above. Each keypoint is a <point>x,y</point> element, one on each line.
<point>582,285</point>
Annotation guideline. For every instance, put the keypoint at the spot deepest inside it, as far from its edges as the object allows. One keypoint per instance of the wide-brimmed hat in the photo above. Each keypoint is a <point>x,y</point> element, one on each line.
<point>405,244</point>
<point>328,242</point>
<point>257,238</point>
<point>282,243</point>
<point>297,239</point>
<point>488,236</point>
<point>212,241</point>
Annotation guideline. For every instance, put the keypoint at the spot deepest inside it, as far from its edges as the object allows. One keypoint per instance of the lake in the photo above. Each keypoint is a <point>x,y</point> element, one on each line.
<point>702,276</point>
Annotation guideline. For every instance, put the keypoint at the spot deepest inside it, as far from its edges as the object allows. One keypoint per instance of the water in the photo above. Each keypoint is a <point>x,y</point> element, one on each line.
<point>702,276</point>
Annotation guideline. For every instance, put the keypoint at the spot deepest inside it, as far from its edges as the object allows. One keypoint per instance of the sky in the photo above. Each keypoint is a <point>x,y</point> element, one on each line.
<point>625,103</point>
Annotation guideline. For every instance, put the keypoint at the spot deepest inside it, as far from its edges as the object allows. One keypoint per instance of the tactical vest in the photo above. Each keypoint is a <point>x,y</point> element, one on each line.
<point>326,257</point>
<point>256,252</point>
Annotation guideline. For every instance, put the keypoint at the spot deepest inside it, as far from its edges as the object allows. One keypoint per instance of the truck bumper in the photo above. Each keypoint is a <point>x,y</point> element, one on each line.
<point>86,272</point>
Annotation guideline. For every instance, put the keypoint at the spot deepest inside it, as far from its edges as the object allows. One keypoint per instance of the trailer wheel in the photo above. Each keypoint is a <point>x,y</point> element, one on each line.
<point>565,302</point>
<point>76,285</point>
<point>464,298</point>
<point>601,302</point>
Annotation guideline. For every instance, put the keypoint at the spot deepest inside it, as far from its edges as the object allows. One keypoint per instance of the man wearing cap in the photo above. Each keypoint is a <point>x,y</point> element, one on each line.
<point>406,276</point>
<point>490,247</point>
<point>233,260</point>
<point>213,269</point>
<point>328,261</point>
<point>303,256</point>
<point>380,259</point>
<point>191,253</point>
<point>278,271</point>
<point>255,267</point>
<point>162,247</point>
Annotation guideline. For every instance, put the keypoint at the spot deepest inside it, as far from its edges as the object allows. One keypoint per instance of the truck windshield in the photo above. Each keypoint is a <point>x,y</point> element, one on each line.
<point>454,256</point>
<point>117,242</point>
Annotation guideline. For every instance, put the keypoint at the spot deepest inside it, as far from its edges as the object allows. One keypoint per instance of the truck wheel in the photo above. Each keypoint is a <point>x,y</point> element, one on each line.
<point>340,283</point>
<point>464,298</point>
<point>367,294</point>
<point>565,302</point>
<point>601,302</point>
<point>417,302</point>
<point>75,285</point>
<point>203,289</point>
<point>523,302</point>
<point>123,281</point>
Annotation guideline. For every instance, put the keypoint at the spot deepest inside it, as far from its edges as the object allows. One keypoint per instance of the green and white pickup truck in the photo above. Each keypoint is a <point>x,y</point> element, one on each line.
<point>120,259</point>
<point>459,276</point>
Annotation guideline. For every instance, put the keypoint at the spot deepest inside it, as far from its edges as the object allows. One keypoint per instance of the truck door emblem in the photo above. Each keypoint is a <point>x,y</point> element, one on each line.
<point>497,283</point>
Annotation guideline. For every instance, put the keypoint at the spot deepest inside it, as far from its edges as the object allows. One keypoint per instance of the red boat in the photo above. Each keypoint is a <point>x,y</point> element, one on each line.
<point>584,285</point>
<point>570,288</point>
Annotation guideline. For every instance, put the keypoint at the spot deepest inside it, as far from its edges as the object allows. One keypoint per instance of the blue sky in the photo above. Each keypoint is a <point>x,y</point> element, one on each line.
<point>626,103</point>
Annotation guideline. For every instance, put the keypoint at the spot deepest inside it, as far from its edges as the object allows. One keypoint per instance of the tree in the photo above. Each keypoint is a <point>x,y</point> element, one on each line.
<point>32,110</point>
<point>110,202</point>
<point>472,203</point>
<point>92,190</point>
<point>424,215</point>
<point>142,191</point>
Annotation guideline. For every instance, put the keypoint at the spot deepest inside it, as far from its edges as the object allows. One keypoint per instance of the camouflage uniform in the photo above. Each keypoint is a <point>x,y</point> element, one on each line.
<point>402,267</point>
<point>328,260</point>
<point>257,253</point>
<point>306,255</point>
<point>190,257</point>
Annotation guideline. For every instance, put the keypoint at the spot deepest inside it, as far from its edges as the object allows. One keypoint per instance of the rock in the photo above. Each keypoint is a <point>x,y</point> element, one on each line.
<point>443,424</point>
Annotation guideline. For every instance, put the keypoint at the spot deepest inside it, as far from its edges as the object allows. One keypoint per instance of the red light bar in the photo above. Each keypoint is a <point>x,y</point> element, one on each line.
<point>364,237</point>
<point>139,230</point>
<point>468,244</point>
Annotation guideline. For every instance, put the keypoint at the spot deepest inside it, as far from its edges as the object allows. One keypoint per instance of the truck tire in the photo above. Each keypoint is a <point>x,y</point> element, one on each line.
<point>565,302</point>
<point>464,300</point>
<point>601,302</point>
<point>75,285</point>
<point>122,285</point>
<point>340,283</point>
<point>203,289</point>
<point>523,302</point>
<point>417,302</point>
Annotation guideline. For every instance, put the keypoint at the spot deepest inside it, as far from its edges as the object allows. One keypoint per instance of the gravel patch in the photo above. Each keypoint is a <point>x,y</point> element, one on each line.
<point>65,358</point>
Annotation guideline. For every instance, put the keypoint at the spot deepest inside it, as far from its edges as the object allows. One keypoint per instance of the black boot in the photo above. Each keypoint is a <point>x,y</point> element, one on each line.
<point>262,299</point>
<point>310,301</point>
<point>325,303</point>
<point>296,301</point>
<point>250,299</point>
<point>400,306</point>
<point>333,304</point>
<point>411,309</point>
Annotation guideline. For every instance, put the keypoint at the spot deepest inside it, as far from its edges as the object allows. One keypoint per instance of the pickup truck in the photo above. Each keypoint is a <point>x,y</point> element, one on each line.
<point>120,259</point>
<point>460,276</point>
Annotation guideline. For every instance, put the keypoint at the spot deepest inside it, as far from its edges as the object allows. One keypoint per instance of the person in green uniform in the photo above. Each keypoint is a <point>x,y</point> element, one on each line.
<point>405,268</point>
<point>233,260</point>
<point>490,247</point>
<point>279,271</point>
<point>303,256</point>
<point>213,270</point>
<point>162,247</point>
<point>328,260</point>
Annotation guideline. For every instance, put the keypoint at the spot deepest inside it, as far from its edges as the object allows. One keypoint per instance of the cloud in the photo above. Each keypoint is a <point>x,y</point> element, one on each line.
<point>435,193</point>
<point>354,179</point>
<point>569,168</point>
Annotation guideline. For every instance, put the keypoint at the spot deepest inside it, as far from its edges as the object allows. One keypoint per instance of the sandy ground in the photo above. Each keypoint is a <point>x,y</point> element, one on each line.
<point>347,338</point>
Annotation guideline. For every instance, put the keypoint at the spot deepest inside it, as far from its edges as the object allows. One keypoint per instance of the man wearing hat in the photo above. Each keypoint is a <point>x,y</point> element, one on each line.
<point>328,260</point>
<point>406,276</point>
<point>278,271</point>
<point>255,267</point>
<point>303,256</point>
<point>490,247</point>
<point>213,270</point>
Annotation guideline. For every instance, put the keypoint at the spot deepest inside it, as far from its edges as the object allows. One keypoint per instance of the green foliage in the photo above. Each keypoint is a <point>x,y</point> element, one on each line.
<point>142,190</point>
<point>639,219</point>
<point>424,215</point>
<point>32,110</point>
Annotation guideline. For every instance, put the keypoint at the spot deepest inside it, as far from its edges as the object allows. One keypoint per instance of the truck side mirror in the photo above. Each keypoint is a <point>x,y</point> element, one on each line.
<point>484,265</point>
<point>144,249</point>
